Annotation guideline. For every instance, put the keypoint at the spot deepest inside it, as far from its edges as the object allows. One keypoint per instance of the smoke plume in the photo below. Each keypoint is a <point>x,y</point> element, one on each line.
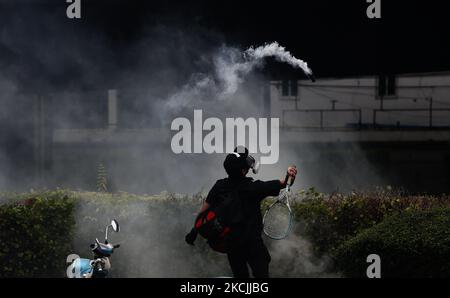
<point>279,53</point>
<point>230,67</point>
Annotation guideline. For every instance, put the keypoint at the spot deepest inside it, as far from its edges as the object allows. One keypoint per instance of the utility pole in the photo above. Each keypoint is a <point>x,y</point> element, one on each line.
<point>112,109</point>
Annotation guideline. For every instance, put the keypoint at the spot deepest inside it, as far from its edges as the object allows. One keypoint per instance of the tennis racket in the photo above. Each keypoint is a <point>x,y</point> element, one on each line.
<point>277,220</point>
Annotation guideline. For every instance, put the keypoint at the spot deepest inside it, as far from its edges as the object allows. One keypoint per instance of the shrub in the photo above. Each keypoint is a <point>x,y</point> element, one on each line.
<point>36,235</point>
<point>331,220</point>
<point>412,244</point>
<point>39,229</point>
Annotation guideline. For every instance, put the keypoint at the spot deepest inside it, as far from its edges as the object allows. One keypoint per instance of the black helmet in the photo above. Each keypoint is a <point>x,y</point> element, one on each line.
<point>239,160</point>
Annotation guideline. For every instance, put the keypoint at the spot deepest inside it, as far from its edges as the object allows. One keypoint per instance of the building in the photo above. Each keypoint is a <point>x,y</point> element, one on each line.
<point>410,107</point>
<point>346,133</point>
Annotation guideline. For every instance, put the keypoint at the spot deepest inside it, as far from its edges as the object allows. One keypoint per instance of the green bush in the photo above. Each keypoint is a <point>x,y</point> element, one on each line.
<point>36,235</point>
<point>331,220</point>
<point>412,244</point>
<point>39,229</point>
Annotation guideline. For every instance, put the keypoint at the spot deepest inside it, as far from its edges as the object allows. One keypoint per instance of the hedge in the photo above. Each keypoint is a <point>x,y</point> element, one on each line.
<point>412,244</point>
<point>330,220</point>
<point>39,229</point>
<point>36,236</point>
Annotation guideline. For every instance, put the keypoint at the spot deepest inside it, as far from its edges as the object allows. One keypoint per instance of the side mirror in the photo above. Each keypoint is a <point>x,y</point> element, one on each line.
<point>115,225</point>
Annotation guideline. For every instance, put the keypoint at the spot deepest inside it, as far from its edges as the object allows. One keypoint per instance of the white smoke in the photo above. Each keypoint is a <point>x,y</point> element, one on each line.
<point>279,53</point>
<point>230,67</point>
<point>294,257</point>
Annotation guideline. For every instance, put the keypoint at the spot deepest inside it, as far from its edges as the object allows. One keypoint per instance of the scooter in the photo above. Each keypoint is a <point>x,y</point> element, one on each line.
<point>100,265</point>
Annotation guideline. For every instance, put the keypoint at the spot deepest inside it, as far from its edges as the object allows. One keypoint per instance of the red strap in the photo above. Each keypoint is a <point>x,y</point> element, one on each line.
<point>210,216</point>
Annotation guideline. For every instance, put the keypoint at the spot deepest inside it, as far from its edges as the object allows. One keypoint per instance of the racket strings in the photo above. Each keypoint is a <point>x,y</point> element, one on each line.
<point>277,221</point>
<point>283,197</point>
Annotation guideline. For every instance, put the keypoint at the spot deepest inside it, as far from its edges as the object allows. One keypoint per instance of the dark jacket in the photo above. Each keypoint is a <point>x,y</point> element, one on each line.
<point>247,211</point>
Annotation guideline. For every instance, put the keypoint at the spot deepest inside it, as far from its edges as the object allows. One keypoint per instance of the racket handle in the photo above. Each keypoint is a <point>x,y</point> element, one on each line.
<point>290,180</point>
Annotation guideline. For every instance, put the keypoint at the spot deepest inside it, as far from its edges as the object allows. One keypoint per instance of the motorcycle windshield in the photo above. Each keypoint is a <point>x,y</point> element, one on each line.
<point>82,267</point>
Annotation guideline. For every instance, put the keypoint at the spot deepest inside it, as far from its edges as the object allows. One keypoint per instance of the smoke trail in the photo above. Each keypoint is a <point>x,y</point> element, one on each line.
<point>279,53</point>
<point>230,67</point>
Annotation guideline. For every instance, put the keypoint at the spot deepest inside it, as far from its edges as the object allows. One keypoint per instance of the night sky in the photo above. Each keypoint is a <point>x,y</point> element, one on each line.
<point>335,37</point>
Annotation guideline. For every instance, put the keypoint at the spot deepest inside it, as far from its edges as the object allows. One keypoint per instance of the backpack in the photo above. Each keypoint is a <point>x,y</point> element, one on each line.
<point>217,223</point>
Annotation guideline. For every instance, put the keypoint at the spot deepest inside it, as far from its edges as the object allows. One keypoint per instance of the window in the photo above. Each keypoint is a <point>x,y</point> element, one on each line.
<point>285,88</point>
<point>391,87</point>
<point>386,86</point>
<point>294,88</point>
<point>289,88</point>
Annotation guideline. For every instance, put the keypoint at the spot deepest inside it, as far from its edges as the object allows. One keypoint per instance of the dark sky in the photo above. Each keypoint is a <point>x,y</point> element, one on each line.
<point>335,37</point>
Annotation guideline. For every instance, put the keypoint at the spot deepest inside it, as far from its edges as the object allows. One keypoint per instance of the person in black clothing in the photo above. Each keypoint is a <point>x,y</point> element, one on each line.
<point>245,246</point>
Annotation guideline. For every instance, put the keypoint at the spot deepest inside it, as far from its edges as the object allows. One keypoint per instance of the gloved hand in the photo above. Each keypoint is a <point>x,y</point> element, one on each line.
<point>290,175</point>
<point>190,237</point>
